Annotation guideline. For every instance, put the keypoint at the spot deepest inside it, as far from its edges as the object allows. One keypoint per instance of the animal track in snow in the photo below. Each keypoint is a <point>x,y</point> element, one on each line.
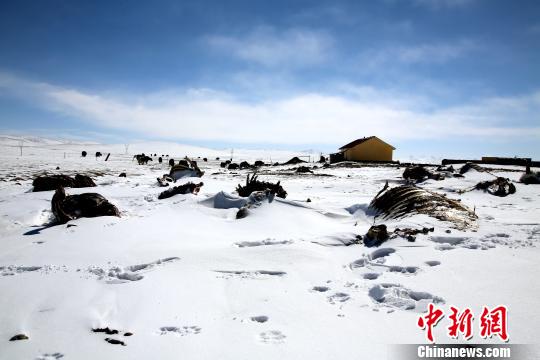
<point>403,269</point>
<point>179,330</point>
<point>338,297</point>
<point>265,242</point>
<point>371,276</point>
<point>385,259</point>
<point>377,257</point>
<point>381,253</point>
<point>272,337</point>
<point>320,288</point>
<point>117,274</point>
<point>452,240</point>
<point>359,263</point>
<point>433,263</point>
<point>397,296</point>
<point>492,240</point>
<point>486,242</point>
<point>54,356</point>
<point>14,270</point>
<point>256,274</point>
<point>260,319</point>
<point>534,234</point>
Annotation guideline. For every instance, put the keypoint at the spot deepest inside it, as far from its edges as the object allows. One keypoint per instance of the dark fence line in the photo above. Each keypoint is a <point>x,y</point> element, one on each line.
<point>495,161</point>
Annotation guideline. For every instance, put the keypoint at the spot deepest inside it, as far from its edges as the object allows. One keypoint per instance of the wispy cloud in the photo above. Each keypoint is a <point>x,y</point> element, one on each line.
<point>535,28</point>
<point>440,4</point>
<point>270,47</point>
<point>433,53</point>
<point>304,118</point>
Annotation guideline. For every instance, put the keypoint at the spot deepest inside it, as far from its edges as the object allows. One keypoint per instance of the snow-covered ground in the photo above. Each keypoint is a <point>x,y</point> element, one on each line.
<point>192,282</point>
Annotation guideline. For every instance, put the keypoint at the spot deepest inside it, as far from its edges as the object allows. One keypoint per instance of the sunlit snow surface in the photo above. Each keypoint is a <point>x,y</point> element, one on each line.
<point>192,282</point>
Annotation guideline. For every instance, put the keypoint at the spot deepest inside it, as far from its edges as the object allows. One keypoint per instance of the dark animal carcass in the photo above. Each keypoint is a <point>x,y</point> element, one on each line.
<point>233,166</point>
<point>244,165</point>
<point>304,169</point>
<point>70,207</point>
<point>98,154</point>
<point>143,160</point>
<point>83,154</point>
<point>253,185</point>
<point>408,200</point>
<point>530,178</point>
<point>223,200</point>
<point>376,235</point>
<point>181,170</point>
<point>419,173</point>
<point>53,182</point>
<point>498,187</point>
<point>189,188</point>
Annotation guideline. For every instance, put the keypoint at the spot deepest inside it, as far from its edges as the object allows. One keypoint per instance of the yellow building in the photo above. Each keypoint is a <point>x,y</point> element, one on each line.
<point>367,149</point>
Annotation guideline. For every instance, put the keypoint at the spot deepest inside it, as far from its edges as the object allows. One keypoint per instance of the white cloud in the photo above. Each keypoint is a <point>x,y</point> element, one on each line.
<point>304,118</point>
<point>535,28</point>
<point>270,47</point>
<point>436,53</point>
<point>438,4</point>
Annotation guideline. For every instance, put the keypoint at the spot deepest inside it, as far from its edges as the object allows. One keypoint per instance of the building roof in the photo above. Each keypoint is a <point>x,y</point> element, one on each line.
<point>360,141</point>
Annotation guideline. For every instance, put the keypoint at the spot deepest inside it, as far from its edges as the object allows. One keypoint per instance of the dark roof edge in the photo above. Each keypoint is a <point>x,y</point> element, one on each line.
<point>360,141</point>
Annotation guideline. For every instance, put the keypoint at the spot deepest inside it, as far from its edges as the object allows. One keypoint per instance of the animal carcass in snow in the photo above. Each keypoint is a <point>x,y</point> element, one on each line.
<point>69,207</point>
<point>181,170</point>
<point>408,200</point>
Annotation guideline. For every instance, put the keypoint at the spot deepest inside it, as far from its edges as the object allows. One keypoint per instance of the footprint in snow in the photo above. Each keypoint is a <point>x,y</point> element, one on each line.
<point>371,276</point>
<point>338,297</point>
<point>377,257</point>
<point>255,274</point>
<point>260,319</point>
<point>320,288</point>
<point>383,260</point>
<point>400,297</point>
<point>265,242</point>
<point>118,275</point>
<point>381,254</point>
<point>179,330</point>
<point>404,269</point>
<point>54,356</point>
<point>272,337</point>
<point>14,270</point>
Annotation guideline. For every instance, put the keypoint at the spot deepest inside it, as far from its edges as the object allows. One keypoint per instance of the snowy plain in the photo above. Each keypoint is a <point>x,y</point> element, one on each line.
<point>193,282</point>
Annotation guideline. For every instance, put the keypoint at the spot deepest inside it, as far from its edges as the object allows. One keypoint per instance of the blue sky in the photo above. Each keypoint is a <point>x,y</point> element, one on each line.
<point>441,77</point>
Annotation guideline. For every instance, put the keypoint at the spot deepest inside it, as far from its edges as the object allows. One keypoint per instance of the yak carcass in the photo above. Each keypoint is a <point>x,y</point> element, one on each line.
<point>498,187</point>
<point>419,173</point>
<point>69,207</point>
<point>181,170</point>
<point>254,184</point>
<point>222,200</point>
<point>53,182</point>
<point>408,200</point>
<point>189,188</point>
